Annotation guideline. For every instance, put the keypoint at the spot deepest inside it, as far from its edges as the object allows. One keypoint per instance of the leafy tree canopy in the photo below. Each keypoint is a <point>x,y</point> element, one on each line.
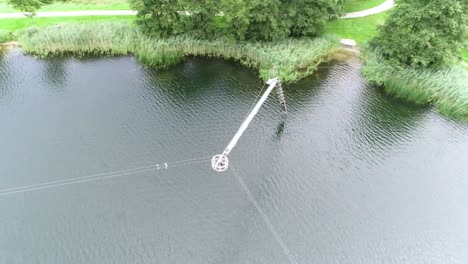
<point>240,19</point>
<point>423,33</point>
<point>29,6</point>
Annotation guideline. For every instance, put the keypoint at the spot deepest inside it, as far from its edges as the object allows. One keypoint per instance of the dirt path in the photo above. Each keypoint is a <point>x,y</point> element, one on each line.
<point>372,11</point>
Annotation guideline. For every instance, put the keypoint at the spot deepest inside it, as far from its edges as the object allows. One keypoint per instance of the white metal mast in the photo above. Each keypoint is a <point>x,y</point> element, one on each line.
<point>220,162</point>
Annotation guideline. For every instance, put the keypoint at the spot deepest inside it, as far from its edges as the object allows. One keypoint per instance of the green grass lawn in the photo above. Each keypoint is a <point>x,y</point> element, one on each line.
<point>465,55</point>
<point>74,5</point>
<point>360,29</point>
<point>359,5</point>
<point>14,24</point>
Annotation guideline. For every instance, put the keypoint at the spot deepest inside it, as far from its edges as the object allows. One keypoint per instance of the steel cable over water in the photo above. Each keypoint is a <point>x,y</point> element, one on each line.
<point>155,167</point>
<point>264,216</point>
<point>102,176</point>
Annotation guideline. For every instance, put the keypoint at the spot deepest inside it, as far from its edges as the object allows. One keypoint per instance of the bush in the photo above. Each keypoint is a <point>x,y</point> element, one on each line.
<point>423,33</point>
<point>265,20</point>
<point>29,6</point>
<point>160,18</point>
<point>308,17</point>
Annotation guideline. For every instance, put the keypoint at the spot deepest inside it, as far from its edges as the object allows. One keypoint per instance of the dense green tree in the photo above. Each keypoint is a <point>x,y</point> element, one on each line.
<point>203,16</point>
<point>29,6</point>
<point>278,19</point>
<point>264,20</point>
<point>308,17</point>
<point>423,33</point>
<point>161,18</point>
<point>236,13</point>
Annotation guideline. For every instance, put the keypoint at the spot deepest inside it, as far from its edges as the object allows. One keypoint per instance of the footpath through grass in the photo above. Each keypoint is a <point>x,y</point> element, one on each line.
<point>360,29</point>
<point>15,24</point>
<point>74,5</point>
<point>359,5</point>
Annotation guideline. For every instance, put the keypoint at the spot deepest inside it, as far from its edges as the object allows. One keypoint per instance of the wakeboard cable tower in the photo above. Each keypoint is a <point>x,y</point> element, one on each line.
<point>220,162</point>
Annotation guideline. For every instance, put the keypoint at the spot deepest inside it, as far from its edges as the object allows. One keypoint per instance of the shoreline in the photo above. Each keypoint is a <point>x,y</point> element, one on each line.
<point>445,89</point>
<point>10,44</point>
<point>293,59</point>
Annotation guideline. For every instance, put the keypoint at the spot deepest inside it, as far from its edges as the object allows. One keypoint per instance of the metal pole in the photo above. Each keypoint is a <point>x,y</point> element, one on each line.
<point>220,162</point>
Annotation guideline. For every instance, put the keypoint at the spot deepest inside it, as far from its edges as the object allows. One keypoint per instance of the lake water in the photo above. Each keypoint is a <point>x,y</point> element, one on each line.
<point>351,176</point>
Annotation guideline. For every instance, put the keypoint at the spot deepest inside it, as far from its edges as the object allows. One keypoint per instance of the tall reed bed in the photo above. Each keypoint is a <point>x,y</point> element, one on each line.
<point>5,36</point>
<point>293,58</point>
<point>446,89</point>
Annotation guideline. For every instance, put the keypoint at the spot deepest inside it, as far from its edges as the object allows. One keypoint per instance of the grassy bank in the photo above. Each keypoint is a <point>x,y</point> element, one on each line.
<point>73,5</point>
<point>359,5</point>
<point>5,36</point>
<point>447,89</point>
<point>294,58</point>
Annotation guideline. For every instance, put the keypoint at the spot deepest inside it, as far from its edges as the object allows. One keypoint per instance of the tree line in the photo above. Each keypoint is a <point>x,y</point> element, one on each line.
<point>29,6</point>
<point>264,20</point>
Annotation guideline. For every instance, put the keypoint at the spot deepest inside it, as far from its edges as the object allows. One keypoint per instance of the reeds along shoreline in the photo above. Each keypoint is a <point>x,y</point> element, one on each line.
<point>5,36</point>
<point>293,58</point>
<point>446,89</point>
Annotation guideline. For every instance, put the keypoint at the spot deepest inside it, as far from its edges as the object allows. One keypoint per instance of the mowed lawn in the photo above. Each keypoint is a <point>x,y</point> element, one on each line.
<point>74,5</point>
<point>465,55</point>
<point>14,24</point>
<point>360,29</point>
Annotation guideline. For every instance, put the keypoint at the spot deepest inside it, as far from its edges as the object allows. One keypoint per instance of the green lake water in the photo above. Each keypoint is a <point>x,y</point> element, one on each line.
<point>351,176</point>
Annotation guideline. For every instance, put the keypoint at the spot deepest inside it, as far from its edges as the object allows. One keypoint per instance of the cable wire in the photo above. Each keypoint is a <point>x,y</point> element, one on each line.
<point>264,216</point>
<point>100,176</point>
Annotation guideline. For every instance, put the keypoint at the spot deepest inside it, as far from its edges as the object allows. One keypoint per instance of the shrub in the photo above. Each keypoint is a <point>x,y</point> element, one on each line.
<point>160,18</point>
<point>29,6</point>
<point>265,20</point>
<point>423,33</point>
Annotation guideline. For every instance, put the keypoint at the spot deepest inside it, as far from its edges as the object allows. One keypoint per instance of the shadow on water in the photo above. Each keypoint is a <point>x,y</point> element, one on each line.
<point>56,72</point>
<point>280,128</point>
<point>338,121</point>
<point>204,91</point>
<point>301,93</point>
<point>4,74</point>
<point>197,77</point>
<point>373,122</point>
<point>381,123</point>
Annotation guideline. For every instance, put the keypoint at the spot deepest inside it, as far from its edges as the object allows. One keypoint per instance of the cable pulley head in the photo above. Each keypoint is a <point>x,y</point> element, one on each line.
<point>220,163</point>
